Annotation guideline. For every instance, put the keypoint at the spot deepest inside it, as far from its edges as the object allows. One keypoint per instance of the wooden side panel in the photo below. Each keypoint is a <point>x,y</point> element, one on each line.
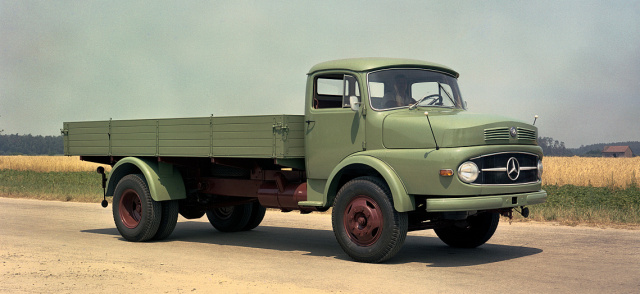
<point>187,137</point>
<point>290,138</point>
<point>133,137</point>
<point>86,138</point>
<point>243,136</point>
<point>266,136</point>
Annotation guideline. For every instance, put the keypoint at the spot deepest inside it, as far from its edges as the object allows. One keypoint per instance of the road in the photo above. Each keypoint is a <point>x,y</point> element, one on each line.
<point>74,247</point>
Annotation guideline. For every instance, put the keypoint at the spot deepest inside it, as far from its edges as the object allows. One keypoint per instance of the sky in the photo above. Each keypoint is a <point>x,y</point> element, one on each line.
<point>575,64</point>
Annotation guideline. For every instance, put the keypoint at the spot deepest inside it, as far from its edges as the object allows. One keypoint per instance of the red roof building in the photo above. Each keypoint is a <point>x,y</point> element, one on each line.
<point>617,151</point>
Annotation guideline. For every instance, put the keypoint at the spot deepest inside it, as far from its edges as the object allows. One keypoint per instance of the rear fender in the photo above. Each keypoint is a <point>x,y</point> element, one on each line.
<point>164,181</point>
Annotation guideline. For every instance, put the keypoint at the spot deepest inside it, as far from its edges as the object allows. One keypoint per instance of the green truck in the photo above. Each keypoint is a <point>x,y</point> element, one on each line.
<point>386,143</point>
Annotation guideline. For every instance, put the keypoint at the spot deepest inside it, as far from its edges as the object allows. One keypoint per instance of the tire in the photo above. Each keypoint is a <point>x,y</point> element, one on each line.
<point>168,221</point>
<point>190,212</point>
<point>230,218</point>
<point>365,223</point>
<point>479,230</point>
<point>257,215</point>
<point>136,214</point>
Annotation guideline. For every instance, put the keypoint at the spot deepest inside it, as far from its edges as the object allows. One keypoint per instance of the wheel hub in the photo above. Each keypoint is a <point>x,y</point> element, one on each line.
<point>363,220</point>
<point>130,208</point>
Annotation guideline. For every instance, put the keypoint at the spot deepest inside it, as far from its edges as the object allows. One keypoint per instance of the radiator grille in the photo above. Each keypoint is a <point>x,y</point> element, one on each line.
<point>495,168</point>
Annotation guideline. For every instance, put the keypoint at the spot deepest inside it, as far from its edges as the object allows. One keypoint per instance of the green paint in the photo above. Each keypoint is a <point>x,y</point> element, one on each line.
<point>165,182</point>
<point>334,143</point>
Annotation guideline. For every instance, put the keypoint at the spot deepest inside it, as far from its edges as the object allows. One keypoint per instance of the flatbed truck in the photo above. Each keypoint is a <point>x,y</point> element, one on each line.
<point>388,144</point>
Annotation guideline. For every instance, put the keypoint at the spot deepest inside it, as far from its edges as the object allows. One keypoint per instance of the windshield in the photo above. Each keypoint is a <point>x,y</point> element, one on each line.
<point>401,88</point>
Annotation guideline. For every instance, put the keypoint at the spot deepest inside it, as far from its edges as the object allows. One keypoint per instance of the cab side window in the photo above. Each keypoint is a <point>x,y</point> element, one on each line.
<point>334,90</point>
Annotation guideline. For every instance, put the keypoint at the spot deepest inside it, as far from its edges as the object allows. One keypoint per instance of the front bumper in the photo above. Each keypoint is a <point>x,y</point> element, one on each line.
<point>485,202</point>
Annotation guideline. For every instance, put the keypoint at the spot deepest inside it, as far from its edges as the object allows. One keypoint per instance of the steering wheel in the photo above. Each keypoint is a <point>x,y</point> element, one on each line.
<point>437,99</point>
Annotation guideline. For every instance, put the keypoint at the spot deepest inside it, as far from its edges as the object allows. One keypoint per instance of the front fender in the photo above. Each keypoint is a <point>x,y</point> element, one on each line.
<point>164,181</point>
<point>402,201</point>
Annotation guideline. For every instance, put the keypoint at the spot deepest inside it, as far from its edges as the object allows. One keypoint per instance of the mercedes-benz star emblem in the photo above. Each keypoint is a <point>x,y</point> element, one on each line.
<point>513,132</point>
<point>513,168</point>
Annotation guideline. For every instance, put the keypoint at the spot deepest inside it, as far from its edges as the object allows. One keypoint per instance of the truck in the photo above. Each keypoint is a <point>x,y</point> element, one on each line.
<point>388,144</point>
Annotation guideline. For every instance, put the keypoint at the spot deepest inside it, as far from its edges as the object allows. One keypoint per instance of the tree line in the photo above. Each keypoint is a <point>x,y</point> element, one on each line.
<point>15,144</point>
<point>552,147</point>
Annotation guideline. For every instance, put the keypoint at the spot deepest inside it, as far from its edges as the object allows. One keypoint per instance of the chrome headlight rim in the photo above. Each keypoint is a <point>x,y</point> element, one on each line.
<point>540,169</point>
<point>468,172</point>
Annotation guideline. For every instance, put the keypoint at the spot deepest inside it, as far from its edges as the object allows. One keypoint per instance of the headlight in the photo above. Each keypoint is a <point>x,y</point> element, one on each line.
<point>468,172</point>
<point>539,169</point>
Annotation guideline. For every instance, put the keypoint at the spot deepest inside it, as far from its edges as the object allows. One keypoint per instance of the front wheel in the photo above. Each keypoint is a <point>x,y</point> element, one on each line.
<point>473,232</point>
<point>365,223</point>
<point>136,214</point>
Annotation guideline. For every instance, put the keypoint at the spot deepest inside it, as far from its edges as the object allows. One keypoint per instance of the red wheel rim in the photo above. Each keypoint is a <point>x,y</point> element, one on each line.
<point>363,220</point>
<point>130,208</point>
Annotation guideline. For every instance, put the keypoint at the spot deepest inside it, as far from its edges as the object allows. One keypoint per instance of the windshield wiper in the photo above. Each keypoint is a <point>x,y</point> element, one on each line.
<point>448,95</point>
<point>413,106</point>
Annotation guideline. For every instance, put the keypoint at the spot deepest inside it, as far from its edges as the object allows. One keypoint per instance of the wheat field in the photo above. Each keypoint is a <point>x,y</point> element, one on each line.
<point>591,171</point>
<point>48,164</point>
<point>579,171</point>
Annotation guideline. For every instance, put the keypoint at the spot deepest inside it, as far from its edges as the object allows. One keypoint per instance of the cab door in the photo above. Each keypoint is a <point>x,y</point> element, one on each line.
<point>333,129</point>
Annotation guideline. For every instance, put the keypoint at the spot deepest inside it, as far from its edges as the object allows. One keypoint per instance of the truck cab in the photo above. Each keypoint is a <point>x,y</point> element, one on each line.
<point>437,149</point>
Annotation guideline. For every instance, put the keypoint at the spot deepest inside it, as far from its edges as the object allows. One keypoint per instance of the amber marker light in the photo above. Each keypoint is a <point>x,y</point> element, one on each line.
<point>446,172</point>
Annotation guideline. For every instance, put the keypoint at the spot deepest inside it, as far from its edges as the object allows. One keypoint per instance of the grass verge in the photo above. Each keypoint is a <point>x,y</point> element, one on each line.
<point>62,186</point>
<point>573,205</point>
<point>566,204</point>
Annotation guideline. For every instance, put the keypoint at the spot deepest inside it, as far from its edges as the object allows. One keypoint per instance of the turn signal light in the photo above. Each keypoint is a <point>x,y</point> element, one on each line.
<point>446,172</point>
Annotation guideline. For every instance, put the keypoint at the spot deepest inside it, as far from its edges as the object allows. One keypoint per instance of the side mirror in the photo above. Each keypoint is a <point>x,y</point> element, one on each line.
<point>355,103</point>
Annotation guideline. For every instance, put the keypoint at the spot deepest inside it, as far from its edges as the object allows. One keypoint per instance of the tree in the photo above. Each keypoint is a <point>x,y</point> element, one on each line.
<point>551,147</point>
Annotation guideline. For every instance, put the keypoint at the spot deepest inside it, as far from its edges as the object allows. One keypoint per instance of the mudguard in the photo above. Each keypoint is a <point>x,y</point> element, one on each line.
<point>402,201</point>
<point>165,182</point>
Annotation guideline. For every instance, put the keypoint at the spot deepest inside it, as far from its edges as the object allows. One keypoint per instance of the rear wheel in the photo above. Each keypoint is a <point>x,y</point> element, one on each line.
<point>257,215</point>
<point>230,218</point>
<point>190,211</point>
<point>169,219</point>
<point>365,223</point>
<point>136,214</point>
<point>473,232</point>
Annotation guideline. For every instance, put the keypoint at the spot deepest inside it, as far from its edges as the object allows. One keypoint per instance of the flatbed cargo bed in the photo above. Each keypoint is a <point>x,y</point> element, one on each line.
<point>261,136</point>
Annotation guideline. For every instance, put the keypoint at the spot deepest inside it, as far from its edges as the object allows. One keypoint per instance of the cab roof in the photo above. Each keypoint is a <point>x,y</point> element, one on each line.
<point>373,63</point>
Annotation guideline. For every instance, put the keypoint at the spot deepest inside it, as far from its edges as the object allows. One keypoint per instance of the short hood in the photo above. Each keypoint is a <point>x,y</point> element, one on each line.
<point>453,128</point>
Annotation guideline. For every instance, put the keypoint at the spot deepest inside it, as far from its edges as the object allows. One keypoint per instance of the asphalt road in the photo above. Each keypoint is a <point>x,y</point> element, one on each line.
<point>74,247</point>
